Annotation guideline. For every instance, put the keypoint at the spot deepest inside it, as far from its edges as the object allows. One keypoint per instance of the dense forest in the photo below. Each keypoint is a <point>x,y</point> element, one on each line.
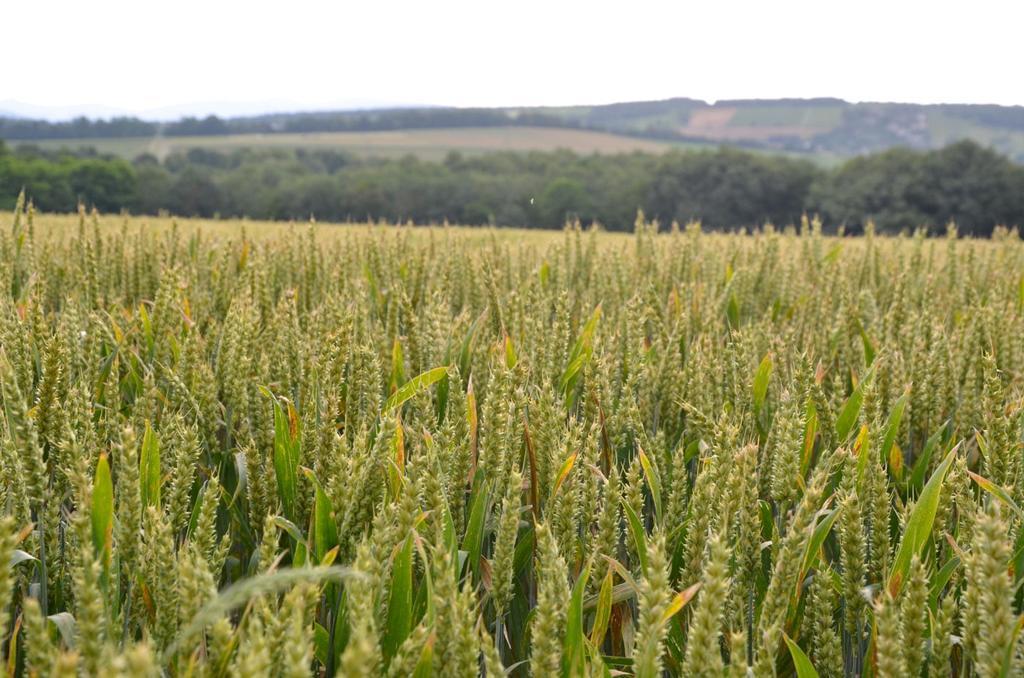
<point>725,188</point>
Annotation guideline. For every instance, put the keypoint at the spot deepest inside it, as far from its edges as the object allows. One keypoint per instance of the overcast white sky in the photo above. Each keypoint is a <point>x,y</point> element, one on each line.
<point>230,56</point>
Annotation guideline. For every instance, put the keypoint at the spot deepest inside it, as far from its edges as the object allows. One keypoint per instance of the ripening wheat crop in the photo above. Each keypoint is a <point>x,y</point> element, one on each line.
<point>369,451</point>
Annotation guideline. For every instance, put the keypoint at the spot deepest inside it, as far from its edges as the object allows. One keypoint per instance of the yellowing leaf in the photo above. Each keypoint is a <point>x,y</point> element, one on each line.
<point>679,601</point>
<point>564,472</point>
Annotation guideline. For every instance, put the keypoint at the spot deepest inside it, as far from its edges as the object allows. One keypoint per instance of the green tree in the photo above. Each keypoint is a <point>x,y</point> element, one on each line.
<point>880,187</point>
<point>563,200</point>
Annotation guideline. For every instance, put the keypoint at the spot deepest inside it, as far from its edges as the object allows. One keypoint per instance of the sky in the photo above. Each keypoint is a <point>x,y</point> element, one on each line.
<point>162,59</point>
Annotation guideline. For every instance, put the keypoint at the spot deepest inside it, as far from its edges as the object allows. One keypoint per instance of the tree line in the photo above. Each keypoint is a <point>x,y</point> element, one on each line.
<point>725,188</point>
<point>26,129</point>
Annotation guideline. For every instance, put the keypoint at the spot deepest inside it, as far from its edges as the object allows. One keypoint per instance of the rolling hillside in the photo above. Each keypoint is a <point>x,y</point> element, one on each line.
<point>823,129</point>
<point>815,126</point>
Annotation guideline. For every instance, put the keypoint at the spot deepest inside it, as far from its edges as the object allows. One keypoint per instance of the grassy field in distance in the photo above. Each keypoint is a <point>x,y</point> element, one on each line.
<point>428,144</point>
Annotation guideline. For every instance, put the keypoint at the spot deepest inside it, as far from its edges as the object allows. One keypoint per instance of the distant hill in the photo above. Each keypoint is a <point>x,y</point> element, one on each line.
<point>813,127</point>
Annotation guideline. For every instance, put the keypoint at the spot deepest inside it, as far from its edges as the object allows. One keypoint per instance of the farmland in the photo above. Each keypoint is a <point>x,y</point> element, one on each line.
<point>427,144</point>
<point>236,448</point>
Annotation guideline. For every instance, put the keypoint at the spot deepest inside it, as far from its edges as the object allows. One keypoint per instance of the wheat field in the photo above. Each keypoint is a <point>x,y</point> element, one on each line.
<point>246,449</point>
